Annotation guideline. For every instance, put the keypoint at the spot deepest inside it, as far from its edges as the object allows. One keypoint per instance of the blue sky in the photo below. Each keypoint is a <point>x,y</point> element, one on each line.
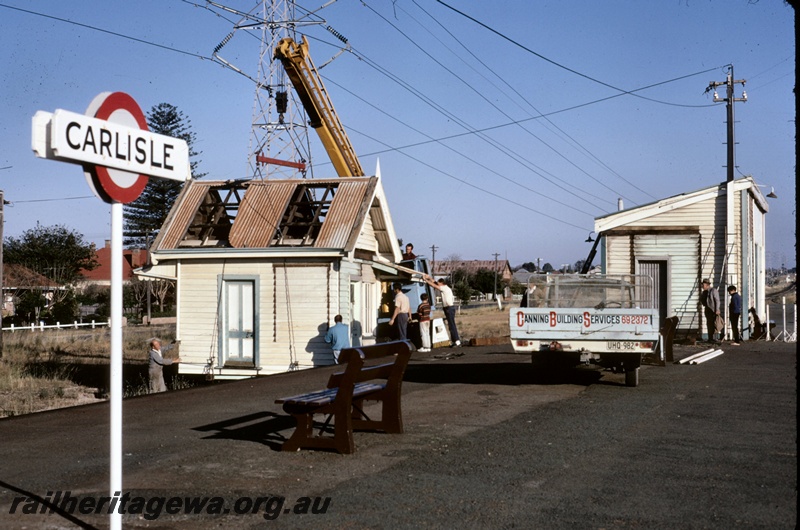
<point>468,162</point>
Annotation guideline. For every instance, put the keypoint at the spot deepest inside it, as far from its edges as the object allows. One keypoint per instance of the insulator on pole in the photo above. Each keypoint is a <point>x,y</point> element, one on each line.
<point>225,41</point>
<point>336,34</point>
<point>281,101</point>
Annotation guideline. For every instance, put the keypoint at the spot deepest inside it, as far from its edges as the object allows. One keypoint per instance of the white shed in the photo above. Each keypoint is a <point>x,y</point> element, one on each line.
<point>716,232</point>
<point>263,266</point>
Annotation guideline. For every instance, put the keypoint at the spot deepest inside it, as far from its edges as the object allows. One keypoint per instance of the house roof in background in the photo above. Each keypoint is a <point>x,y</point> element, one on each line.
<point>443,268</point>
<point>20,277</point>
<point>131,259</point>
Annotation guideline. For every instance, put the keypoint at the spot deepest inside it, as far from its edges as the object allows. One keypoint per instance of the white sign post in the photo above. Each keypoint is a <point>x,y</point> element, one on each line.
<point>118,155</point>
<point>115,383</point>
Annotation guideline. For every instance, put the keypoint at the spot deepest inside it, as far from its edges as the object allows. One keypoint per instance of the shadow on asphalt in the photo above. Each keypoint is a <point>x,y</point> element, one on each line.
<point>260,427</point>
<point>266,427</point>
<point>497,374</point>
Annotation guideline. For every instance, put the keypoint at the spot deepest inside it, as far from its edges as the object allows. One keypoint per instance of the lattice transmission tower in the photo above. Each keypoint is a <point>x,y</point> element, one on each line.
<point>279,145</point>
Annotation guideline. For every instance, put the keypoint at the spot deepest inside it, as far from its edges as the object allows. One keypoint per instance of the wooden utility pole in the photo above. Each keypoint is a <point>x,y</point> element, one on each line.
<point>729,99</point>
<point>728,274</point>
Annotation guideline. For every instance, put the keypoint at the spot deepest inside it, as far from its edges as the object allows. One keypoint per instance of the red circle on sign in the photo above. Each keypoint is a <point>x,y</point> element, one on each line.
<point>102,177</point>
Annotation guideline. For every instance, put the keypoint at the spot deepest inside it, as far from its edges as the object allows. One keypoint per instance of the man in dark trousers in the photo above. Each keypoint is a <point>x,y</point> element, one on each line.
<point>448,304</point>
<point>735,313</point>
<point>402,312</point>
<point>709,299</point>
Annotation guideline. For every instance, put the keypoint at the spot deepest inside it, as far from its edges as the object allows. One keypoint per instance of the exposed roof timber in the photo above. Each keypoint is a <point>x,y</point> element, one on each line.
<point>320,213</point>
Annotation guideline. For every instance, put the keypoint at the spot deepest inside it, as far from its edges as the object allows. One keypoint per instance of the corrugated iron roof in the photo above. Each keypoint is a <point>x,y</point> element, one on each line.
<point>317,213</point>
<point>260,214</point>
<point>181,215</point>
<point>347,213</point>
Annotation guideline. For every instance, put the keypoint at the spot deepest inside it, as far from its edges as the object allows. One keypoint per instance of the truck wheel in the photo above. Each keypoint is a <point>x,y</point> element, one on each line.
<point>632,377</point>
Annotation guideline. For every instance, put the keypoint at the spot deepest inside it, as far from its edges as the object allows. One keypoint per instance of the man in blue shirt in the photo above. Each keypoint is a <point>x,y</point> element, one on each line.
<point>338,337</point>
<point>735,313</point>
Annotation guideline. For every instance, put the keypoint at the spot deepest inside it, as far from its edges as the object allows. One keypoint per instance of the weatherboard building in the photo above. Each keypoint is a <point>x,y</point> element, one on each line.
<point>262,267</point>
<point>717,232</point>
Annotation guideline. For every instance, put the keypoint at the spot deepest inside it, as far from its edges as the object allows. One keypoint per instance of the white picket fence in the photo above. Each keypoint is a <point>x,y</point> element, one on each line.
<point>58,325</point>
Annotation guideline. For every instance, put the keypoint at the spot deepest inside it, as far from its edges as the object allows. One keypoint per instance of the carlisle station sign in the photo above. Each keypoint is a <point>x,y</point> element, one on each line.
<point>113,144</point>
<point>118,155</point>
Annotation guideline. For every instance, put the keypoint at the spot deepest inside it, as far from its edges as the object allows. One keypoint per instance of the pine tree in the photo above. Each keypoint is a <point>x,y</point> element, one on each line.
<point>145,215</point>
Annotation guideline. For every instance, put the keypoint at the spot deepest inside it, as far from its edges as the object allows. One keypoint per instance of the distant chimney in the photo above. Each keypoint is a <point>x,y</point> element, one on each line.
<point>108,243</point>
<point>620,206</point>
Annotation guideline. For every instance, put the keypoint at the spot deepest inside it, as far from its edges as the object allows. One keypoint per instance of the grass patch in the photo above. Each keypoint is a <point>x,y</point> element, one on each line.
<point>41,370</point>
<point>480,321</point>
<point>23,391</point>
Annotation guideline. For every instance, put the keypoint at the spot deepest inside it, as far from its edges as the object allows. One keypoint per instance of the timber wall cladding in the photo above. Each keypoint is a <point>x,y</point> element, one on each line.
<point>302,308</point>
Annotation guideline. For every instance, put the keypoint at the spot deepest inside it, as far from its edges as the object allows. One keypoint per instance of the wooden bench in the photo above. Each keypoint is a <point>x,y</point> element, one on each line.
<point>343,399</point>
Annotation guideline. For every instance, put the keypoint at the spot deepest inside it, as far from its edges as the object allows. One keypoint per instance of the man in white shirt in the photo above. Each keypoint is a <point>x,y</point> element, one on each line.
<point>448,304</point>
<point>402,311</point>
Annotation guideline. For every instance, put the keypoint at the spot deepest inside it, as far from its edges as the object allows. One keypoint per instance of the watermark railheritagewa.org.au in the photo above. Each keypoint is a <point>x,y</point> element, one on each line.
<point>151,508</point>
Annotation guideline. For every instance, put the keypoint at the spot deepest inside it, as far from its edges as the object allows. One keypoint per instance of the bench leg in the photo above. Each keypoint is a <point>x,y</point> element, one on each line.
<point>303,436</point>
<point>343,432</point>
<point>302,433</point>
<point>391,416</point>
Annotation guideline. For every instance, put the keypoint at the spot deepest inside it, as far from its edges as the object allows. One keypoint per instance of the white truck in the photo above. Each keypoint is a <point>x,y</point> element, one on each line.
<point>574,318</point>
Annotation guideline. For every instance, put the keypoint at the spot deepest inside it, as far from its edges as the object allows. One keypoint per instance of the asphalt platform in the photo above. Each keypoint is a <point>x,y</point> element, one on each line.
<point>488,443</point>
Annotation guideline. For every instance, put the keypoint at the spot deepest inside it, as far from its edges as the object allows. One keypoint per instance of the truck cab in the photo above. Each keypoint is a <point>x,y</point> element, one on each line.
<point>413,287</point>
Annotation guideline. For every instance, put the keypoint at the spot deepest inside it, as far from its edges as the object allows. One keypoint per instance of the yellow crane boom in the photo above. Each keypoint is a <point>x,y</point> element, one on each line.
<point>322,116</point>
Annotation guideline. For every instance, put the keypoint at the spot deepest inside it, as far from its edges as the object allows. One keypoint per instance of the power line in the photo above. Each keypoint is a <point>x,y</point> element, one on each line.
<point>489,140</point>
<point>204,57</point>
<point>467,133</point>
<point>12,203</point>
<point>559,65</point>
<point>470,131</point>
<point>506,151</point>
<point>465,156</point>
<point>489,192</point>
<point>525,99</point>
<point>101,30</point>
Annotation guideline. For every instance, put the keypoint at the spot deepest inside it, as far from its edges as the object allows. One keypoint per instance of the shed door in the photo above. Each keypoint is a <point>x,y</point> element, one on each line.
<point>239,322</point>
<point>657,270</point>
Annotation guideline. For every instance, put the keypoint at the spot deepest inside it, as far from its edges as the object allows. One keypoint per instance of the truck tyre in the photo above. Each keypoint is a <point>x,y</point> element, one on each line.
<point>632,377</point>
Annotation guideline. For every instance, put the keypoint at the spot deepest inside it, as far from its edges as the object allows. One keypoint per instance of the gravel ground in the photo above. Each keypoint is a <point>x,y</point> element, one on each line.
<point>489,443</point>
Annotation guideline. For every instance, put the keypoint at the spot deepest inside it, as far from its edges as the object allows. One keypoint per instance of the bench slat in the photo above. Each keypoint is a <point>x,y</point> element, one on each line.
<point>323,397</point>
<point>320,397</point>
<point>368,373</point>
<point>362,389</point>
